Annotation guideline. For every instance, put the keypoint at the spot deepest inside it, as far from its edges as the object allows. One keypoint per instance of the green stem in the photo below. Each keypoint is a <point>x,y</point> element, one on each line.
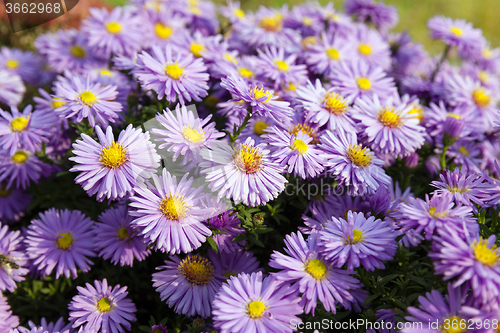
<point>443,158</point>
<point>438,66</point>
<point>237,130</point>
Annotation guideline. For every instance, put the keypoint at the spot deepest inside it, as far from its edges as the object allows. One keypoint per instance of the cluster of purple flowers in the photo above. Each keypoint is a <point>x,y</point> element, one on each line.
<point>308,94</point>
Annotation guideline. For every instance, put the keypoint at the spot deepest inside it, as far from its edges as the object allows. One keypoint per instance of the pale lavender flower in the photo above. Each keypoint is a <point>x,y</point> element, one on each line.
<point>13,268</point>
<point>12,88</point>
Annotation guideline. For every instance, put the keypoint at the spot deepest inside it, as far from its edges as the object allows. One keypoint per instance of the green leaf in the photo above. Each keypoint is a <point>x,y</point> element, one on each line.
<point>240,237</point>
<point>213,244</point>
<point>386,279</point>
<point>263,230</point>
<point>371,298</point>
<point>145,328</point>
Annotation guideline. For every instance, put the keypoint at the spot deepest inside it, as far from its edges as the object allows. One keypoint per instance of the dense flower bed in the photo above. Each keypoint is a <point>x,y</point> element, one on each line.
<point>286,170</point>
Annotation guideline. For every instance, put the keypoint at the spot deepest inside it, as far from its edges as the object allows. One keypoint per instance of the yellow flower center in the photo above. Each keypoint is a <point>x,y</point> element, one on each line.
<point>78,51</point>
<point>273,23</point>
<point>56,104</point>
<point>457,189</point>
<point>162,31</point>
<point>417,112</point>
<point>230,58</point>
<point>19,124</point>
<point>259,127</point>
<point>105,72</point>
<point>317,269</point>
<point>194,7</point>
<point>433,213</point>
<point>64,240</point>
<point>290,86</point>
<point>245,72</point>
<point>453,324</point>
<point>196,269</point>
<point>364,83</point>
<point>335,103</point>
<point>123,233</point>
<point>464,151</point>
<point>282,66</point>
<point>255,309</point>
<point>365,49</point>
<point>356,238</point>
<point>174,71</point>
<point>104,305</point>
<point>113,27</point>
<point>12,64</point>
<point>19,157</point>
<point>307,21</point>
<point>113,155</point>
<point>360,156</point>
<point>487,54</point>
<point>485,255</point>
<point>87,98</point>
<point>248,159</point>
<point>239,13</point>
<point>456,31</point>
<point>307,130</point>
<point>259,93</point>
<point>332,53</point>
<point>299,146</point>
<point>192,135</point>
<point>196,49</point>
<point>483,77</point>
<point>481,97</point>
<point>229,274</point>
<point>174,207</point>
<point>389,118</point>
<point>309,41</point>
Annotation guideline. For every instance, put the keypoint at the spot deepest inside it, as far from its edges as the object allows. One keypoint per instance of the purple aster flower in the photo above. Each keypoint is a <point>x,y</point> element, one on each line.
<point>164,27</point>
<point>324,55</point>
<point>358,240</point>
<point>22,167</point>
<point>85,98</point>
<point>356,78</point>
<point>169,212</point>
<point>354,166</point>
<point>112,168</point>
<point>315,277</point>
<point>474,260</point>
<point>103,308</point>
<point>432,214</point>
<point>436,308</point>
<point>465,152</point>
<point>13,203</point>
<point>244,173</point>
<point>188,285</point>
<point>14,260</point>
<point>174,74</point>
<point>159,329</point>
<point>372,48</point>
<point>255,304</point>
<point>295,151</point>
<point>466,187</point>
<point>7,320</point>
<point>263,102</point>
<point>26,129</point>
<point>389,127</point>
<point>61,240</point>
<point>280,68</point>
<point>118,32</point>
<point>116,239</point>
<point>57,327</point>
<point>12,88</point>
<point>227,222</point>
<point>232,264</point>
<point>256,128</point>
<point>326,107</point>
<point>185,133</point>
<point>233,12</point>
<point>18,62</point>
<point>387,320</point>
<point>455,32</point>
<point>384,17</point>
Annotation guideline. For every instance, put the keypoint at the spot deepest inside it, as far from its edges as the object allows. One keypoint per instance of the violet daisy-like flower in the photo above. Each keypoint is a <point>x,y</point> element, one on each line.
<point>465,152</point>
<point>61,240</point>
<point>327,53</point>
<point>117,240</point>
<point>227,222</point>
<point>358,241</point>
<point>474,260</point>
<point>188,285</point>
<point>381,15</point>
<point>389,128</point>
<point>354,166</point>
<point>13,259</point>
<point>22,168</point>
<point>13,203</point>
<point>263,102</point>
<point>256,305</point>
<point>296,152</point>
<point>436,308</point>
<point>57,327</point>
<point>12,88</point>
<point>7,320</point>
<point>185,133</point>
<point>102,308</point>
<point>357,78</point>
<point>169,212</point>
<point>279,68</point>
<point>455,32</point>
<point>244,173</point>
<point>112,168</point>
<point>174,74</point>
<point>314,276</point>
<point>85,98</point>
<point>232,264</point>
<point>433,213</point>
<point>372,48</point>
<point>18,62</point>
<point>326,107</point>
<point>26,129</point>
<point>118,32</point>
